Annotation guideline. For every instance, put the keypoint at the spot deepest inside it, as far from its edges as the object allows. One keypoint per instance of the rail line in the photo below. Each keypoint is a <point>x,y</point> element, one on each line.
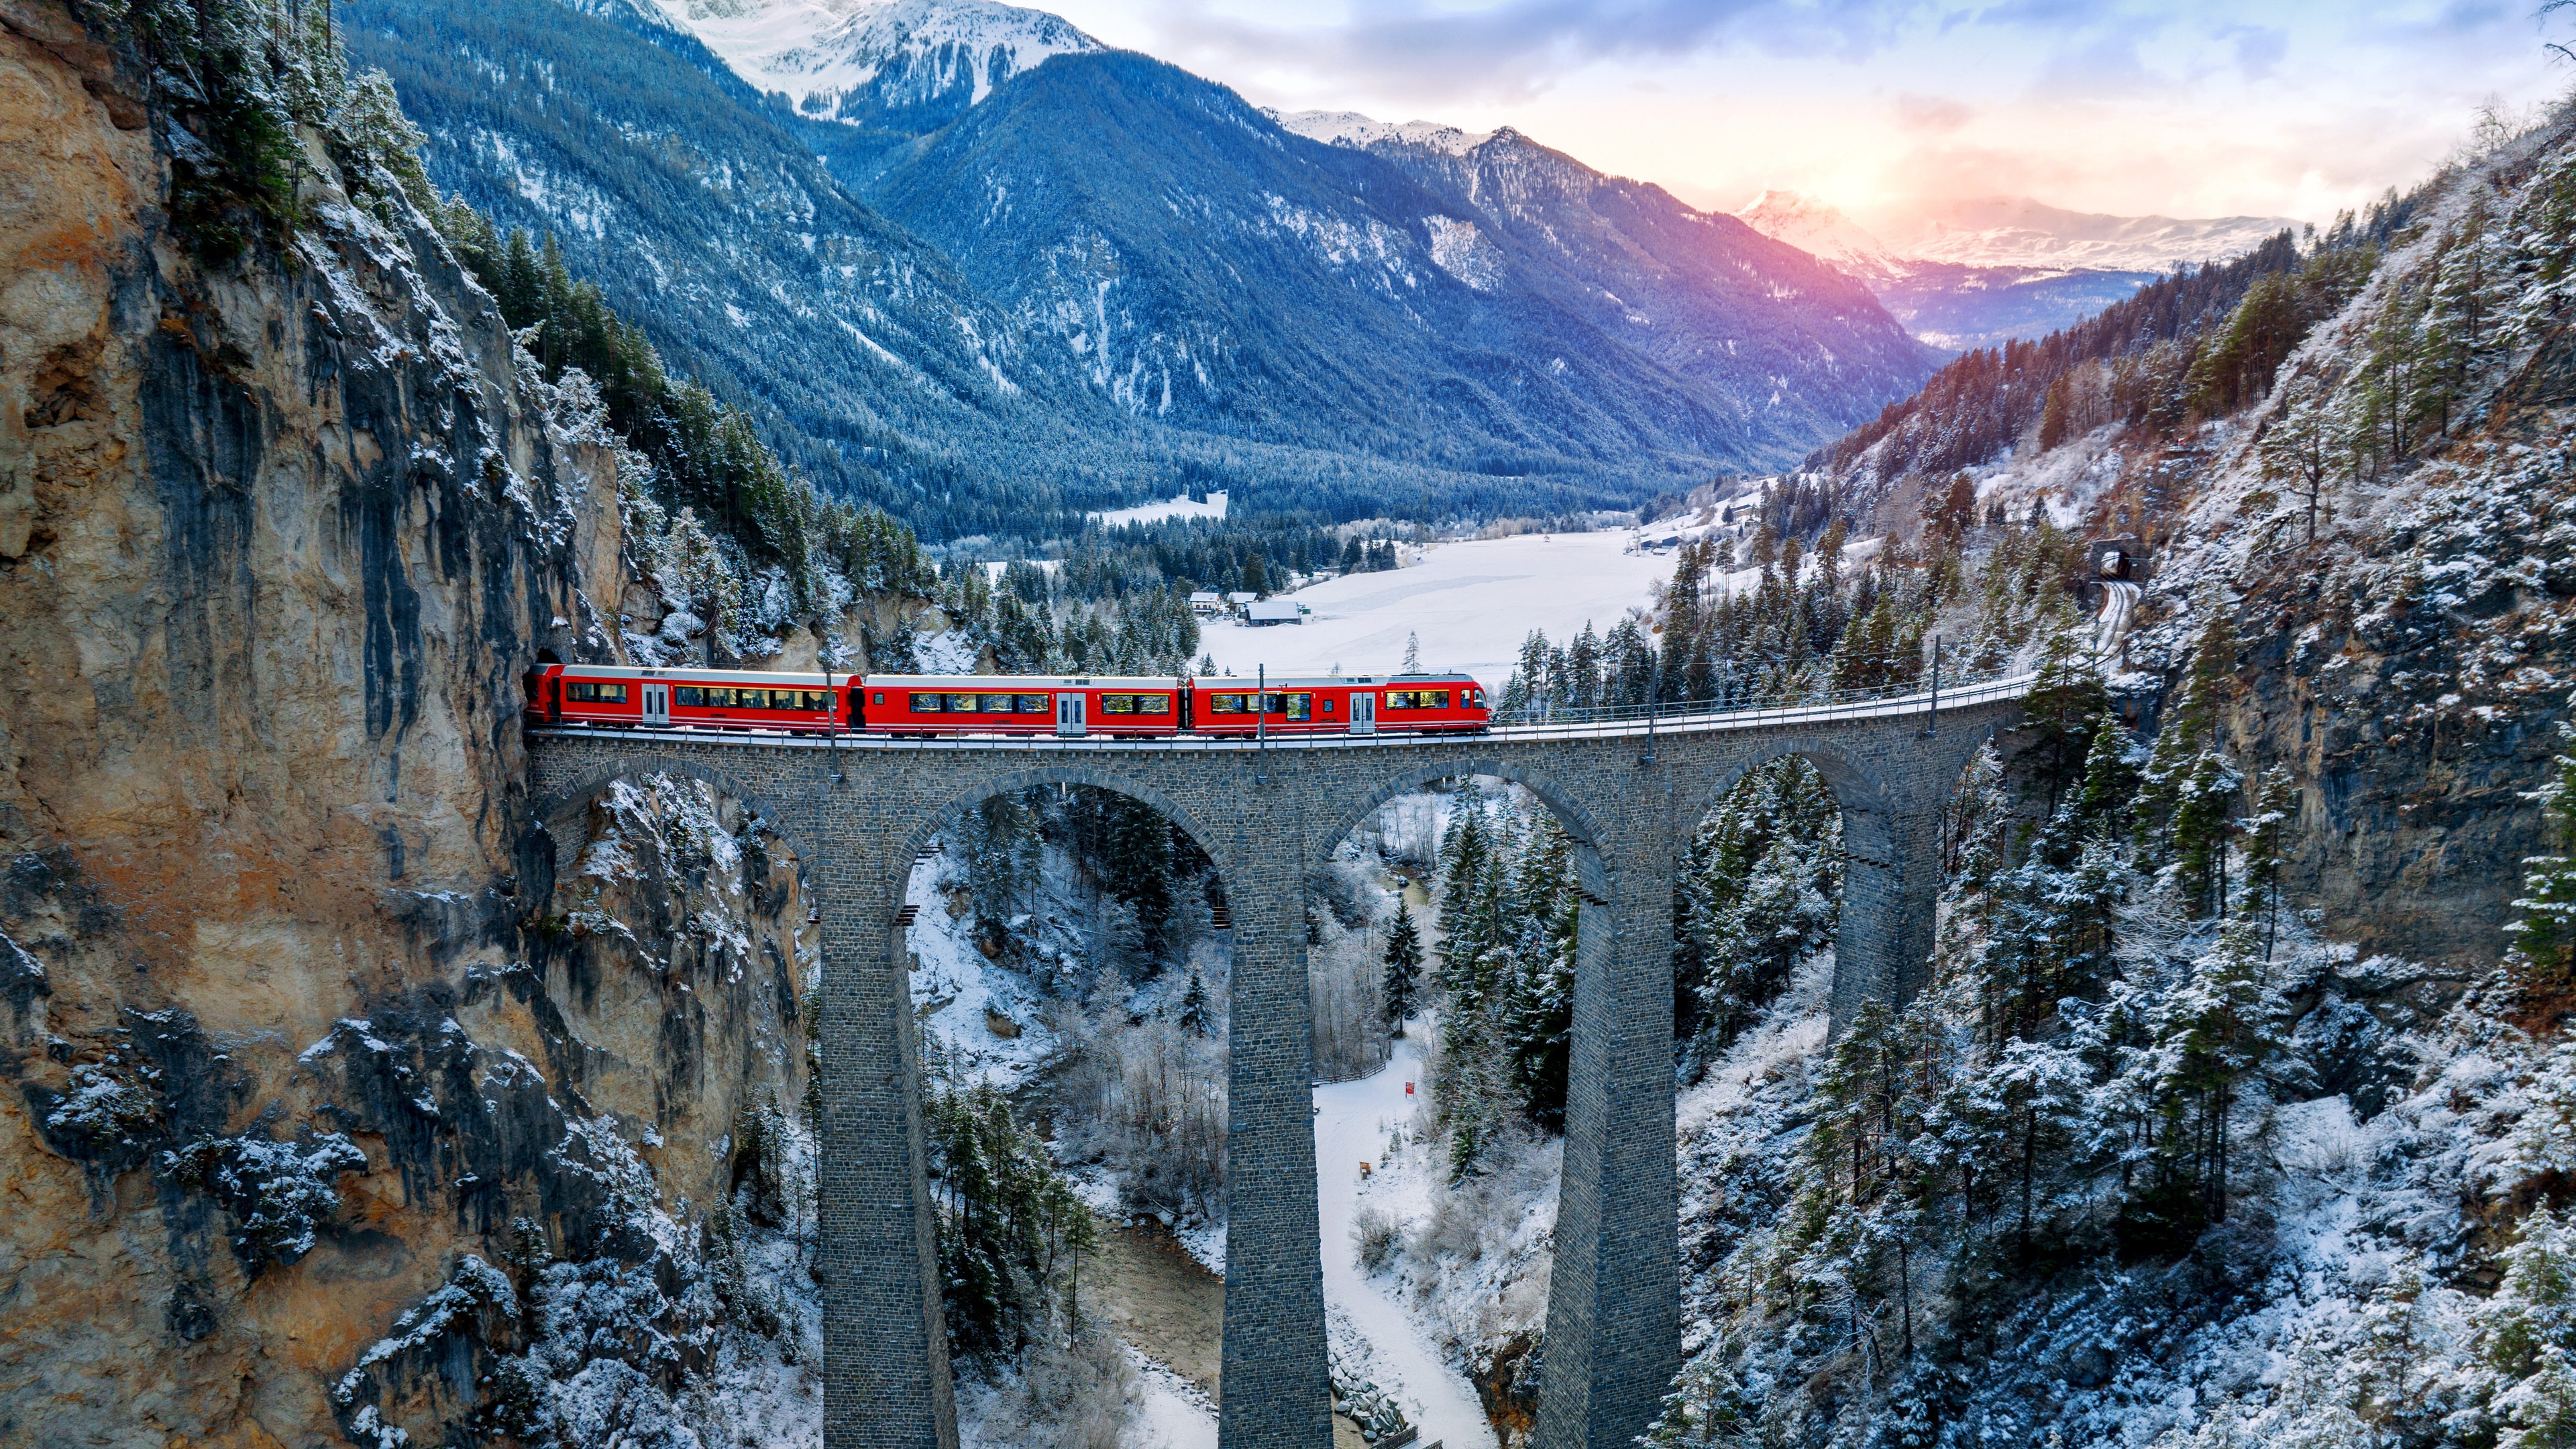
<point>1629,723</point>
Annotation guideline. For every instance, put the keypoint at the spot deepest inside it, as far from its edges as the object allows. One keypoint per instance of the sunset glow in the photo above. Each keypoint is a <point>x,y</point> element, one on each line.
<point>2195,108</point>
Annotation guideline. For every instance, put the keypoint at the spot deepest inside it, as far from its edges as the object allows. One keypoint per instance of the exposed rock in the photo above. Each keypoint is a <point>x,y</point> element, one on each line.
<point>298,1038</point>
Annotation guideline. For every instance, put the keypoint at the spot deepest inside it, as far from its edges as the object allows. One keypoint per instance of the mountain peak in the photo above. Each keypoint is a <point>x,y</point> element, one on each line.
<point>1819,229</point>
<point>910,64</point>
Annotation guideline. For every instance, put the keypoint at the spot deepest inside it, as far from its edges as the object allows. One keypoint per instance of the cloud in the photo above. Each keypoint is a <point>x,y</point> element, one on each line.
<point>2259,48</point>
<point>1516,48</point>
<point>1931,115</point>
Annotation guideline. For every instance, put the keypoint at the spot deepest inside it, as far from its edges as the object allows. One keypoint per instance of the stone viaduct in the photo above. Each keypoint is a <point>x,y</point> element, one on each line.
<point>857,813</point>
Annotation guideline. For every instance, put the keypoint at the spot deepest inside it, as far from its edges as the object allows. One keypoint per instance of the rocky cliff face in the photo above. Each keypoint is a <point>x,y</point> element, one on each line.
<point>331,1105</point>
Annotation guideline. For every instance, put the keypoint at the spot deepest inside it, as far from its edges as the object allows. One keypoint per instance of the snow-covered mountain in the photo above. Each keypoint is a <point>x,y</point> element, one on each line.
<point>870,61</point>
<point>1822,231</point>
<point>1350,128</point>
<point>2016,231</point>
<point>1975,273</point>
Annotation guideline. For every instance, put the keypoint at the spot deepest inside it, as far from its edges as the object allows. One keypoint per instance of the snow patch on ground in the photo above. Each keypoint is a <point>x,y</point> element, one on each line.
<point>961,997</point>
<point>947,652</point>
<point>1169,508</point>
<point>1174,1415</point>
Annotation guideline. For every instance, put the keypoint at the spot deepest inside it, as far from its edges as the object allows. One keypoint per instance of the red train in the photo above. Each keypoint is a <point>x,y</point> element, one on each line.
<point>928,705</point>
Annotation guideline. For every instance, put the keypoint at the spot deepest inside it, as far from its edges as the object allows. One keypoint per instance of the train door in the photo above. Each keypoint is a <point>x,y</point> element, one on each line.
<point>657,704</point>
<point>1363,711</point>
<point>1070,713</point>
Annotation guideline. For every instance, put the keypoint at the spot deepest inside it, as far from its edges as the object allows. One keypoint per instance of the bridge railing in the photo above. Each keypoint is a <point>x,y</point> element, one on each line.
<point>1754,707</point>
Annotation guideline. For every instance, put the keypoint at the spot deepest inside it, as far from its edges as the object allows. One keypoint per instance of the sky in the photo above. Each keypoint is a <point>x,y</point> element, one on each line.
<point>2174,107</point>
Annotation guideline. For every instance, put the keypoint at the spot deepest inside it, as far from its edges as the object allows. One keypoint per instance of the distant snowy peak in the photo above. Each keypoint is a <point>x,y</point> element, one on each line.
<point>1350,128</point>
<point>2016,231</point>
<point>878,61</point>
<point>1821,231</point>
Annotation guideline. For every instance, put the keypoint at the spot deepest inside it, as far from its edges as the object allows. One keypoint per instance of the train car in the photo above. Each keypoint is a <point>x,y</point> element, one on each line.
<point>1341,705</point>
<point>924,705</point>
<point>718,699</point>
<point>927,705</point>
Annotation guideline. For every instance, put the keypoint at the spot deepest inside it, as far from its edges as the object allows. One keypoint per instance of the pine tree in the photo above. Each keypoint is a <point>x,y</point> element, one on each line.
<point>2110,782</point>
<point>2541,953</point>
<point>1412,652</point>
<point>2065,702</point>
<point>2302,446</point>
<point>1539,1028</point>
<point>2204,822</point>
<point>2267,833</point>
<point>2189,731</point>
<point>1403,968</point>
<point>1194,1007</point>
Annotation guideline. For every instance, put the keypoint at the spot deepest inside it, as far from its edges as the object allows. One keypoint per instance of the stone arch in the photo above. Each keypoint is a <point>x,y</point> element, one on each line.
<point>1855,785</point>
<point>1205,838</point>
<point>1595,871</point>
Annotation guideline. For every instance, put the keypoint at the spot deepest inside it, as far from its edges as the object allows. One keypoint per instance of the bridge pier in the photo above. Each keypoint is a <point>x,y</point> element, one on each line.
<point>885,1336</point>
<point>1613,1326</point>
<point>1614,1290</point>
<point>1891,887</point>
<point>1275,1390</point>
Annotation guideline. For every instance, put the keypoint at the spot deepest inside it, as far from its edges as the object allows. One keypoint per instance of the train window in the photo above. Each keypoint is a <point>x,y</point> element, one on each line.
<point>929,703</point>
<point>1229,704</point>
<point>1274,704</point>
<point>597,693</point>
<point>689,694</point>
<point>964,703</point>
<point>1032,703</point>
<point>1301,706</point>
<point>1431,699</point>
<point>1135,704</point>
<point>1399,699</point>
<point>877,697</point>
<point>1328,706</point>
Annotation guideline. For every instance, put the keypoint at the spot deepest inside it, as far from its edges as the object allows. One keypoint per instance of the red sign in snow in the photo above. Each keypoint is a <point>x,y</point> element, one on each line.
<point>1408,1089</point>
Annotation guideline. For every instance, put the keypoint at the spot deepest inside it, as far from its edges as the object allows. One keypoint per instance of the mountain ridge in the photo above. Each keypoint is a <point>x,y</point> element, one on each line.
<point>837,278</point>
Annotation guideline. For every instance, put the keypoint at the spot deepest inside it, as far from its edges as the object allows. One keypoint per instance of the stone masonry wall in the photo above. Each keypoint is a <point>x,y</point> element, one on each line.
<point>859,812</point>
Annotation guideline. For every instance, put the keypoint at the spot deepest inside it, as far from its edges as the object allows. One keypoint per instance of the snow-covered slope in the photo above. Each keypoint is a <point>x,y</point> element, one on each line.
<point>865,63</point>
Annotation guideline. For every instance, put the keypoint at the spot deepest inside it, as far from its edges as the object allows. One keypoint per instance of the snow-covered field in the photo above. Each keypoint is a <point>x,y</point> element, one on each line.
<point>1471,603</point>
<point>1168,508</point>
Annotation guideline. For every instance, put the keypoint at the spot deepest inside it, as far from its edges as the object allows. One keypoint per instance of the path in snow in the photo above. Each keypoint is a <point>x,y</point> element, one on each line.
<point>1174,1414</point>
<point>1351,1124</point>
